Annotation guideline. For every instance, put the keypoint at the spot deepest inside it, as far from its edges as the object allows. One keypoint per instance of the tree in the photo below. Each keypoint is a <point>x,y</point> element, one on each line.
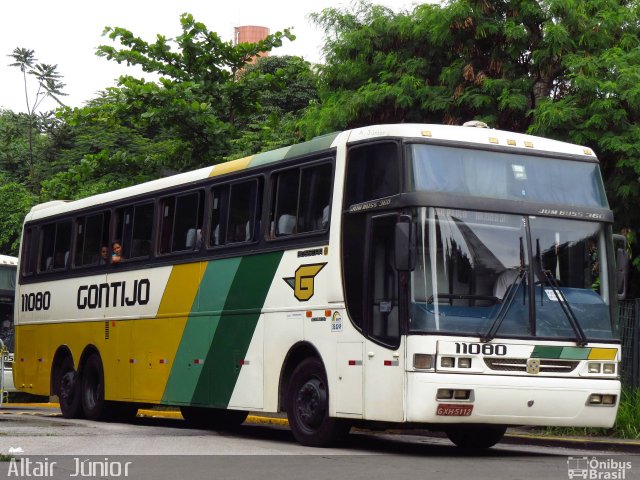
<point>284,86</point>
<point>196,99</point>
<point>15,203</point>
<point>49,86</point>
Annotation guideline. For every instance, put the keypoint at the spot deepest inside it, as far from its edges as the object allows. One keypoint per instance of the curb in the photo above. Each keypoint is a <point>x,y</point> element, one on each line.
<point>145,412</point>
<point>619,445</point>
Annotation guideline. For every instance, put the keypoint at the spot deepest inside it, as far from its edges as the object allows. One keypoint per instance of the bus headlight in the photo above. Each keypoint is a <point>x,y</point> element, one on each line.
<point>594,367</point>
<point>447,362</point>
<point>464,362</point>
<point>609,368</point>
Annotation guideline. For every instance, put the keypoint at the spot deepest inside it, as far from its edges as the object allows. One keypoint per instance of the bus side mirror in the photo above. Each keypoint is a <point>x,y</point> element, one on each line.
<point>622,265</point>
<point>405,244</point>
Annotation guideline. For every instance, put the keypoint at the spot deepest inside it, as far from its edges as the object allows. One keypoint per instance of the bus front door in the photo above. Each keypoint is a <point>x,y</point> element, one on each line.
<point>384,358</point>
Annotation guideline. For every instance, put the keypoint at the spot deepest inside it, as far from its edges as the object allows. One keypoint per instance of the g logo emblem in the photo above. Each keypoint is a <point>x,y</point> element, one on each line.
<point>303,283</point>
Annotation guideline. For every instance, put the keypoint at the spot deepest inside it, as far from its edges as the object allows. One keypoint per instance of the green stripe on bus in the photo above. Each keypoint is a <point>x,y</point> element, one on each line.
<point>300,149</point>
<point>565,353</point>
<point>235,328</point>
<point>542,351</point>
<point>198,333</point>
<point>575,353</point>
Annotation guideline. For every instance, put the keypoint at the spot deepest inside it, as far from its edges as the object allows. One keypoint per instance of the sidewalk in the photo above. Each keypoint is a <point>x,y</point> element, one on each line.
<point>515,436</point>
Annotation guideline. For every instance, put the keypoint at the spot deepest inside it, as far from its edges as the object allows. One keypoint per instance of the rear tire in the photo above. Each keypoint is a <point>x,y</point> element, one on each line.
<point>213,418</point>
<point>475,437</point>
<point>308,406</point>
<point>68,390</point>
<point>92,388</point>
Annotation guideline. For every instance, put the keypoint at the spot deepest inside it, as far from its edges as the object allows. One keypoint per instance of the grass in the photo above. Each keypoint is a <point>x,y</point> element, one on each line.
<point>627,421</point>
<point>5,458</point>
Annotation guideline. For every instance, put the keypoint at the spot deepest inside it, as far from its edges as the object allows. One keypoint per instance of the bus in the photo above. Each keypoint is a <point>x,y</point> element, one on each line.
<point>8,267</point>
<point>455,278</point>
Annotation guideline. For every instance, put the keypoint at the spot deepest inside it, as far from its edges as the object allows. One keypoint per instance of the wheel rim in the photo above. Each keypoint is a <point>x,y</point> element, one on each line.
<point>67,386</point>
<point>92,389</point>
<point>311,404</point>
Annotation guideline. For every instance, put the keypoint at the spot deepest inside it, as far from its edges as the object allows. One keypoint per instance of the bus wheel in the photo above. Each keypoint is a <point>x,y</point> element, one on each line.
<point>475,437</point>
<point>308,406</point>
<point>92,387</point>
<point>69,390</point>
<point>214,418</point>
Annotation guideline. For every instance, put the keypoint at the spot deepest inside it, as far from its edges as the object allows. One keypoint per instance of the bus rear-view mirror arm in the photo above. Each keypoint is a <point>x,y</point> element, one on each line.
<point>622,265</point>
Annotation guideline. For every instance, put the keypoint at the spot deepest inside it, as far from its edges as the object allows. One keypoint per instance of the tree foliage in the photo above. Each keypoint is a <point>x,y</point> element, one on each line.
<point>191,113</point>
<point>197,98</point>
<point>15,202</point>
<point>50,85</point>
<point>567,69</point>
<point>284,87</point>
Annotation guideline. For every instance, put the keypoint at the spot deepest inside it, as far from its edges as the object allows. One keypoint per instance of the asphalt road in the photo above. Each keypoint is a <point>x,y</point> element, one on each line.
<point>164,448</point>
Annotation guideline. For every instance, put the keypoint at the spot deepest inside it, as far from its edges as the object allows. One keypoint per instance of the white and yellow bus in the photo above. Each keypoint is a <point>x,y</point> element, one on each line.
<point>455,278</point>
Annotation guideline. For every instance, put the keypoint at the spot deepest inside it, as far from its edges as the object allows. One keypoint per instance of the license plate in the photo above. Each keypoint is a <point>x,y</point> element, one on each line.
<point>449,410</point>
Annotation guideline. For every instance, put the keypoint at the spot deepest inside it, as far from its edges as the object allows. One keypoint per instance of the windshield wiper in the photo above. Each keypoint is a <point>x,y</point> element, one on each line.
<point>504,308</point>
<point>581,338</point>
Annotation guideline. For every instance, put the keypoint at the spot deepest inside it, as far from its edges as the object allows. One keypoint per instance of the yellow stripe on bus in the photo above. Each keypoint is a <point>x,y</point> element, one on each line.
<point>603,354</point>
<point>233,166</point>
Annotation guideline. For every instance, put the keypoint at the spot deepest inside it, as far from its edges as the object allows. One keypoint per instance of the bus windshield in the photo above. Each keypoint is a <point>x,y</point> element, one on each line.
<point>474,271</point>
<point>505,176</point>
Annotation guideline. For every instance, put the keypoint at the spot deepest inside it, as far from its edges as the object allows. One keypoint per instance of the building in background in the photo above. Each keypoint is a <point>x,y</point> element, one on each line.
<point>251,34</point>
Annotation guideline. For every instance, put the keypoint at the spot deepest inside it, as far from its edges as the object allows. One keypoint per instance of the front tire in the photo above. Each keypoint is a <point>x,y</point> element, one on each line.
<point>308,406</point>
<point>475,437</point>
<point>92,388</point>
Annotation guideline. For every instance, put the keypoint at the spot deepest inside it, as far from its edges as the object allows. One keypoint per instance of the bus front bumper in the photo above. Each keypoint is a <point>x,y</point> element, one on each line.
<point>539,401</point>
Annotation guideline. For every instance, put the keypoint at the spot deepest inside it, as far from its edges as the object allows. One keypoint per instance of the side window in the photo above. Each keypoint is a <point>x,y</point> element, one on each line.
<point>29,252</point>
<point>55,241</point>
<point>219,200</point>
<point>242,212</point>
<point>92,236</point>
<point>301,200</point>
<point>235,212</point>
<point>134,225</point>
<point>372,172</point>
<point>286,202</point>
<point>181,223</point>
<point>315,197</point>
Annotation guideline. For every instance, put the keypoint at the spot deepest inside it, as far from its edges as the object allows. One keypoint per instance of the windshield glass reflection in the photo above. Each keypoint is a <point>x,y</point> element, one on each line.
<point>475,267</point>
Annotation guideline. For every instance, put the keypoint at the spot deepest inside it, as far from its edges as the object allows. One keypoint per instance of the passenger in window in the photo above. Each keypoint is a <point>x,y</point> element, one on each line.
<point>104,258</point>
<point>239,233</point>
<point>116,255</point>
<point>325,217</point>
<point>286,224</point>
<point>59,260</point>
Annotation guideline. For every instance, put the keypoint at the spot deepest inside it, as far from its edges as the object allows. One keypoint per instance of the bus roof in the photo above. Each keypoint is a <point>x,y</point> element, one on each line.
<point>472,135</point>
<point>7,260</point>
<point>446,133</point>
